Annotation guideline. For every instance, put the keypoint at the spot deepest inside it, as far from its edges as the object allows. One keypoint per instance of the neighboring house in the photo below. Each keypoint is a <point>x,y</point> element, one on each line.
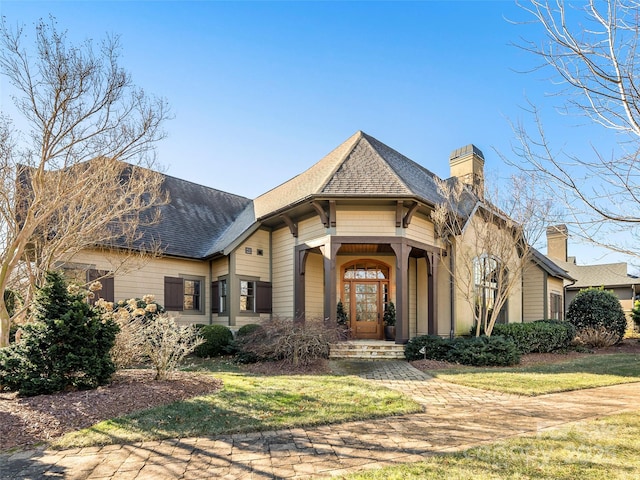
<point>611,276</point>
<point>355,227</point>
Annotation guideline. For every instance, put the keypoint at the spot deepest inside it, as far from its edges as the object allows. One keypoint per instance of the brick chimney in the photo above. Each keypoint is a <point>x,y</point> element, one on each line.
<point>557,237</point>
<point>467,164</point>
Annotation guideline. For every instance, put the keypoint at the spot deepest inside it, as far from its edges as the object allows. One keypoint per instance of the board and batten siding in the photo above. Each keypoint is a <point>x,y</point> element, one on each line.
<point>359,220</point>
<point>283,244</point>
<point>534,292</point>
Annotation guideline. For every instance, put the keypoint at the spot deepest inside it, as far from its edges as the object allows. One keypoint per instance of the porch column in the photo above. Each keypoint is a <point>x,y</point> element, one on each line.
<point>298,284</point>
<point>402,251</point>
<point>432,297</point>
<point>329,253</point>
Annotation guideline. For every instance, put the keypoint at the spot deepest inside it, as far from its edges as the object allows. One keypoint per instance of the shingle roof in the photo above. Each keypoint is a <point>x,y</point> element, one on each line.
<point>550,266</point>
<point>360,167</point>
<point>195,216</point>
<point>607,275</point>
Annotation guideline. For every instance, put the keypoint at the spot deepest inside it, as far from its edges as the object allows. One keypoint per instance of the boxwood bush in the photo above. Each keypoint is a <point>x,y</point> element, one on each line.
<point>480,351</point>
<point>598,309</point>
<point>542,336</point>
<point>217,339</point>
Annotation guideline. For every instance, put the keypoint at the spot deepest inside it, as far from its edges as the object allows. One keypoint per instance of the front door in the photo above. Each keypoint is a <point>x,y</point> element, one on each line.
<point>365,291</point>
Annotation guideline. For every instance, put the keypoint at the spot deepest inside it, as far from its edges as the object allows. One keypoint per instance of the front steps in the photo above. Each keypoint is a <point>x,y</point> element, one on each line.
<point>366,350</point>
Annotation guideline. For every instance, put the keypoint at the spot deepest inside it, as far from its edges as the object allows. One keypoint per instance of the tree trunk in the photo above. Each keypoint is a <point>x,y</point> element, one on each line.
<point>5,323</point>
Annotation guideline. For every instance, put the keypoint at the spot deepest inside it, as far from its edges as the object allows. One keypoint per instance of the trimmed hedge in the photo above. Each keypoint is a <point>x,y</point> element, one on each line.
<point>217,339</point>
<point>478,351</point>
<point>542,336</point>
<point>597,308</point>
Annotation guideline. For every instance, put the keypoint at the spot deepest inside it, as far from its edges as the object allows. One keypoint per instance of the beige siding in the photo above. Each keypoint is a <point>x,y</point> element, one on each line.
<point>365,221</point>
<point>247,260</point>
<point>283,272</point>
<point>421,229</point>
<point>533,302</point>
<point>422,300</point>
<point>314,287</point>
<point>220,267</point>
<point>147,277</point>
<point>413,294</point>
<point>310,228</point>
<point>443,316</point>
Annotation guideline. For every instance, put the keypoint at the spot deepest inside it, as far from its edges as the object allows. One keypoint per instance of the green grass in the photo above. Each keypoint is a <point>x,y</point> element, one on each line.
<point>248,404</point>
<point>583,372</point>
<point>606,448</point>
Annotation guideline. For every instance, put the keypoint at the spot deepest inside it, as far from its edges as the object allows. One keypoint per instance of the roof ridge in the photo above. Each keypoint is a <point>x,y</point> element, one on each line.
<point>356,138</point>
<point>386,162</point>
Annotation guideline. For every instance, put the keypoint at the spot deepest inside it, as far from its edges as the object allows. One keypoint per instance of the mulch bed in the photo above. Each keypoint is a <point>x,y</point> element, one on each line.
<point>28,421</point>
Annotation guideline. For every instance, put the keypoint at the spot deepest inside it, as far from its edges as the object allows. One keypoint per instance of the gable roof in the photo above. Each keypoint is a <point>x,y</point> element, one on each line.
<point>360,167</point>
<point>194,217</point>
<point>549,265</point>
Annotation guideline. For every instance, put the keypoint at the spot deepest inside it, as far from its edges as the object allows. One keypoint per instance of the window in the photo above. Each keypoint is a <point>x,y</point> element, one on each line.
<point>247,298</point>
<point>84,275</point>
<point>556,307</point>
<point>183,294</point>
<point>219,297</point>
<point>489,278</point>
<point>192,295</point>
<point>255,296</point>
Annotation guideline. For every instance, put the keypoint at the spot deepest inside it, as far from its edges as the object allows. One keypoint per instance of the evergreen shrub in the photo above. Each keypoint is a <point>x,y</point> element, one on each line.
<point>217,339</point>
<point>542,336</point>
<point>65,347</point>
<point>598,309</point>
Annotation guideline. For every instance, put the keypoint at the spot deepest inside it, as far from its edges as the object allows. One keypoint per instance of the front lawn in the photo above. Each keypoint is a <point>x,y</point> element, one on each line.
<point>249,403</point>
<point>605,448</point>
<point>583,372</point>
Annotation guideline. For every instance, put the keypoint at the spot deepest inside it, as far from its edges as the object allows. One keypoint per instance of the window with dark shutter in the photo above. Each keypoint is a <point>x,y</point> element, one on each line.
<point>108,285</point>
<point>173,294</point>
<point>215,297</point>
<point>263,297</point>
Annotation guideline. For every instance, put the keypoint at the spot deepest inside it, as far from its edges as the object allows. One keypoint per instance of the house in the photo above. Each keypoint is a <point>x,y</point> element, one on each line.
<point>611,276</point>
<point>355,228</point>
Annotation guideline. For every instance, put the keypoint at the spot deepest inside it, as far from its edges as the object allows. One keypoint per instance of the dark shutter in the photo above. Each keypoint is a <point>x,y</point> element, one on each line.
<point>108,284</point>
<point>263,297</point>
<point>215,297</point>
<point>173,294</point>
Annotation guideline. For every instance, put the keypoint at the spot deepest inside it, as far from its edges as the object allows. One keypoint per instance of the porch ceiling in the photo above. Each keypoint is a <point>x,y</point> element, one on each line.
<point>364,248</point>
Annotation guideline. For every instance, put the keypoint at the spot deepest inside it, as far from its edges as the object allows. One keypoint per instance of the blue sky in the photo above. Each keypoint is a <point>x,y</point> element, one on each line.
<point>262,90</point>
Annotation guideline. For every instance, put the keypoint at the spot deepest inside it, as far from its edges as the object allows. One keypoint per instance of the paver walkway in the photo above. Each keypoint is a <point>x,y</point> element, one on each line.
<point>455,418</point>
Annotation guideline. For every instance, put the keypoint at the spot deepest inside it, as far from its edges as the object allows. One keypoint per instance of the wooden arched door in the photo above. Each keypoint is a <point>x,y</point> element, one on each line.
<point>365,292</point>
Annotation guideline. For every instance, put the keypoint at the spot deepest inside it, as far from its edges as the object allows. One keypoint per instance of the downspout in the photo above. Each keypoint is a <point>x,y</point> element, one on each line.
<point>210,287</point>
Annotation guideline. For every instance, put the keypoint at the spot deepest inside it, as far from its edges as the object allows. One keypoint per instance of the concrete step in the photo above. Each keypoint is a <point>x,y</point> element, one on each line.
<point>366,349</point>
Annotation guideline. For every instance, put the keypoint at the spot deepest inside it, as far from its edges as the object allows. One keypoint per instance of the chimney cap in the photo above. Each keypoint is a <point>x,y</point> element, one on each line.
<point>557,230</point>
<point>466,150</point>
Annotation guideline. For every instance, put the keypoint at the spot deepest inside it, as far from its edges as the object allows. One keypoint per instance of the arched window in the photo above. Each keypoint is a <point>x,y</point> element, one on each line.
<point>489,279</point>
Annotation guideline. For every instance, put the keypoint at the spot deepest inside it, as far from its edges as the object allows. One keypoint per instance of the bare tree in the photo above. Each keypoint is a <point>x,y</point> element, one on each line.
<point>591,51</point>
<point>77,178</point>
<point>491,247</point>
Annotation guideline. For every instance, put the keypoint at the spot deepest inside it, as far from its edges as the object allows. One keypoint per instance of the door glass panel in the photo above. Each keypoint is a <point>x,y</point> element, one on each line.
<point>366,298</point>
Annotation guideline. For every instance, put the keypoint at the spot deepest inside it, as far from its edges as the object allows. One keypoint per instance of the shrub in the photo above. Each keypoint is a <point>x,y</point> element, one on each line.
<point>65,347</point>
<point>597,337</point>
<point>298,343</point>
<point>217,339</point>
<point>128,348</point>
<point>248,329</point>
<point>435,348</point>
<point>595,308</point>
<point>481,351</point>
<point>145,308</point>
<point>542,336</point>
<point>166,344</point>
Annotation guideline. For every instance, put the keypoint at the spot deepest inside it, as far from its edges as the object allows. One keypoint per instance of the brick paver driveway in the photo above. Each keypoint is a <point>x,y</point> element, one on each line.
<point>451,421</point>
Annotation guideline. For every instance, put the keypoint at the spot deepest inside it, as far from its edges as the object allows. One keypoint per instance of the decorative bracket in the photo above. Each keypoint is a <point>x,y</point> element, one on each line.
<point>407,218</point>
<point>324,218</point>
<point>293,226</point>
